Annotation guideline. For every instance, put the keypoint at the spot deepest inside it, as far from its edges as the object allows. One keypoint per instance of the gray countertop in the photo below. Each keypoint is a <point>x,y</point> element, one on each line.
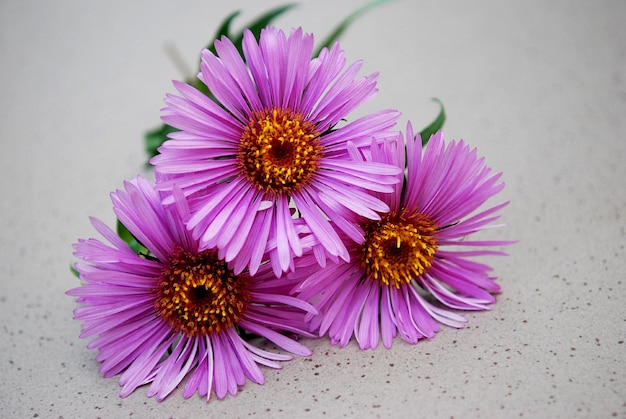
<point>538,86</point>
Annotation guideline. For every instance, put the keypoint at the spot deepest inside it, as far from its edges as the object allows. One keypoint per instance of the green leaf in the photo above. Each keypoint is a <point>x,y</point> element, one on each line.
<point>434,126</point>
<point>74,271</point>
<point>223,30</point>
<point>128,237</point>
<point>261,22</point>
<point>131,240</point>
<point>343,25</point>
<point>255,27</point>
<point>154,138</point>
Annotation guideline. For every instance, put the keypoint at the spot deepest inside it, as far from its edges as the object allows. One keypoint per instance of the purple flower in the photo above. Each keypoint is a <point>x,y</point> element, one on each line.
<point>270,146</point>
<point>412,268</point>
<point>175,311</point>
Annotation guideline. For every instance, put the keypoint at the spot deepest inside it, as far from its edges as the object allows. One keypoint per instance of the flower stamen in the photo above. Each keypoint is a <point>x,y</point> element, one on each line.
<point>279,151</point>
<point>200,295</point>
<point>398,248</point>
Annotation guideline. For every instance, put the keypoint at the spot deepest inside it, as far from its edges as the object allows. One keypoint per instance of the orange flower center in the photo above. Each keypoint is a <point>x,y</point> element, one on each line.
<point>200,295</point>
<point>398,248</point>
<point>279,151</point>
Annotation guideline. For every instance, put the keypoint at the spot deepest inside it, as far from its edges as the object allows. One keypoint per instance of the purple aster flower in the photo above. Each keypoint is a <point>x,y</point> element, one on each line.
<point>413,268</point>
<point>176,311</point>
<point>271,145</point>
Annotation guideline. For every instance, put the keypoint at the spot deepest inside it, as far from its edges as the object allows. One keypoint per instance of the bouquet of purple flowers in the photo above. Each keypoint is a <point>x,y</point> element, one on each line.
<point>273,215</point>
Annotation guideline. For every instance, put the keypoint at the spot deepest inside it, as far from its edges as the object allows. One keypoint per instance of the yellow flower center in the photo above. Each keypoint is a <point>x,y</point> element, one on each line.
<point>398,248</point>
<point>200,295</point>
<point>279,151</point>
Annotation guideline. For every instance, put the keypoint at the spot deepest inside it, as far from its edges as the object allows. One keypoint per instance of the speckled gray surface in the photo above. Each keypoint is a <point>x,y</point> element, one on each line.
<point>539,87</point>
